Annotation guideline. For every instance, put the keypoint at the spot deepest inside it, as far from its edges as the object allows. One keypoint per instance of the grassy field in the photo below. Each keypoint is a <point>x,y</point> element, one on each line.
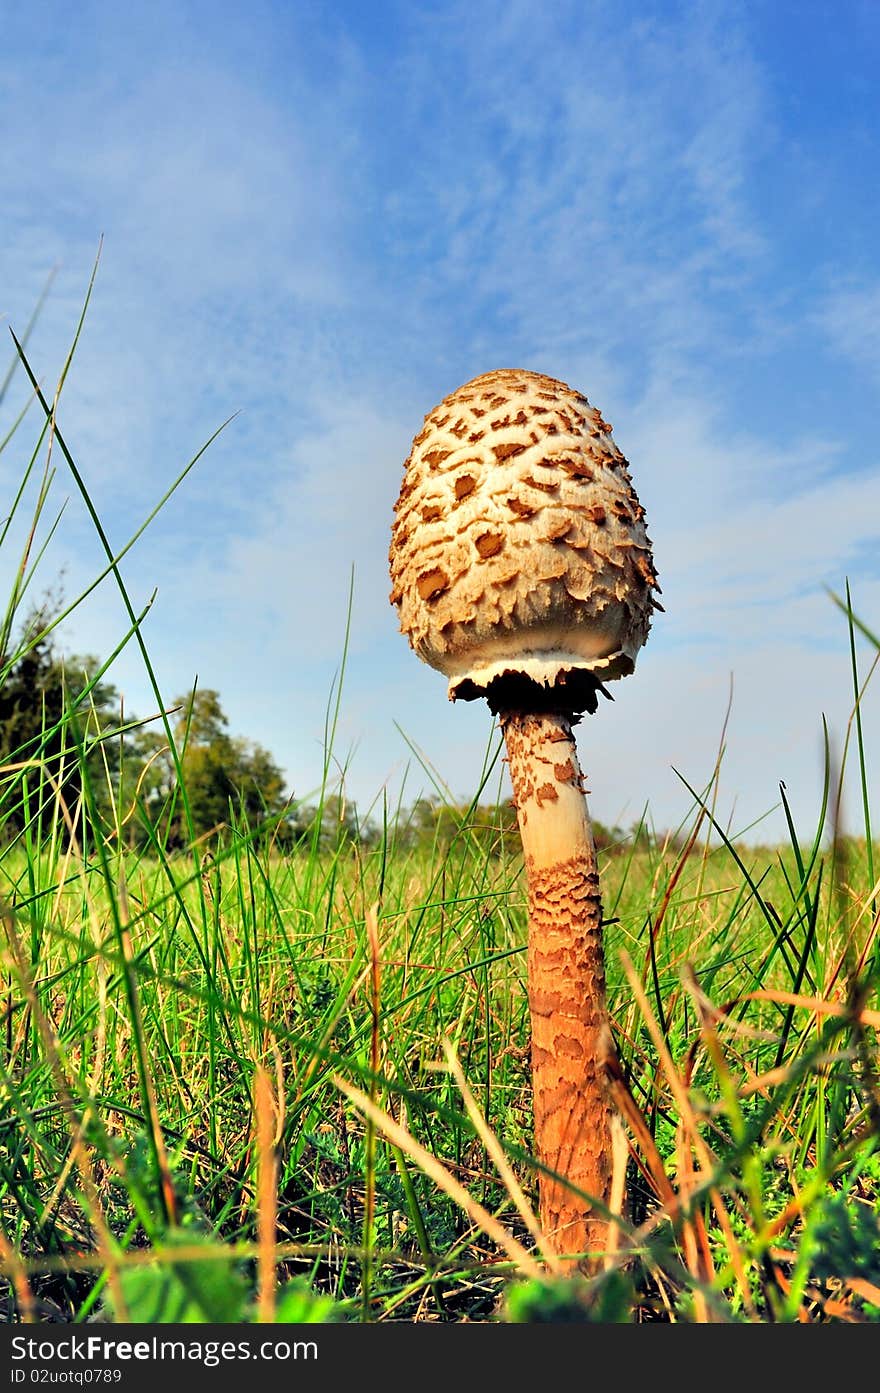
<point>238,1085</point>
<point>241,1085</point>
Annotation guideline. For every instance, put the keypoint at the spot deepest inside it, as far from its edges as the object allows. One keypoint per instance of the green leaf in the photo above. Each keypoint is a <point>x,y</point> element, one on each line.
<point>298,1304</point>
<point>568,1301</point>
<point>187,1291</point>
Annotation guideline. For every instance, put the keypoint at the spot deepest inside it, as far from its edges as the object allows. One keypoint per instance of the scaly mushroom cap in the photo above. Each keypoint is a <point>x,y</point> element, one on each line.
<point>519,546</point>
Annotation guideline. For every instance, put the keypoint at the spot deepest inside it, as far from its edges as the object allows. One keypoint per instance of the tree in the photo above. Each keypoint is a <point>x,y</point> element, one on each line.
<point>430,822</point>
<point>62,753</point>
<point>54,715</point>
<point>225,779</point>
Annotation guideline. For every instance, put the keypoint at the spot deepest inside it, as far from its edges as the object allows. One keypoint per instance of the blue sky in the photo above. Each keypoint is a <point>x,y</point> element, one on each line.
<point>325,217</point>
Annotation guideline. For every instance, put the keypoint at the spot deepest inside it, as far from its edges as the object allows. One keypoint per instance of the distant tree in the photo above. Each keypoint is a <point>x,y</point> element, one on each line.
<point>259,784</point>
<point>335,823</point>
<point>431,822</point>
<point>225,778</point>
<point>65,747</point>
<point>53,720</point>
<point>200,720</point>
<point>610,840</point>
<point>343,825</point>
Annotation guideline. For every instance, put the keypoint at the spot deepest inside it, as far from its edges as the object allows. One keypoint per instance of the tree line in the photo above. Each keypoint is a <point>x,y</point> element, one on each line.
<point>70,751</point>
<point>70,754</point>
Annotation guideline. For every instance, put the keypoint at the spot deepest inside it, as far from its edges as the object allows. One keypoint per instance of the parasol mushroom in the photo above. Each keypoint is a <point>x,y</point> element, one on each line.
<point>521,569</point>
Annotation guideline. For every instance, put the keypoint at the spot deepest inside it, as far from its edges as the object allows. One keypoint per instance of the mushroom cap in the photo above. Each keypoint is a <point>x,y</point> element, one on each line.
<point>519,546</point>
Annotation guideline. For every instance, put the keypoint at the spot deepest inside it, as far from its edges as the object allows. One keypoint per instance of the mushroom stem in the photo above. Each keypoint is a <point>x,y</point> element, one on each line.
<point>571,1038</point>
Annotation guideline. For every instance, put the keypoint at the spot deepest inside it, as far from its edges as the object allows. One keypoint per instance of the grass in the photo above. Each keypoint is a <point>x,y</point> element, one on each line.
<point>238,1085</point>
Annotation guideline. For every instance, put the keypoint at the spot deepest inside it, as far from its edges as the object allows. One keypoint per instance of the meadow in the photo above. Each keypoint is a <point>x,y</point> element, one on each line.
<point>243,1081</point>
<point>239,1084</point>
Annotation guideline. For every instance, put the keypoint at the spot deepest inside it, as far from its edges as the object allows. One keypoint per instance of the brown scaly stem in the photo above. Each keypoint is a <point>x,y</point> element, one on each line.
<point>571,1039</point>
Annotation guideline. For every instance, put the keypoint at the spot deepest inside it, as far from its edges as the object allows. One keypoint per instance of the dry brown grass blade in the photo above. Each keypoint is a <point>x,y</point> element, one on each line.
<point>720,1015</point>
<point>503,1166</point>
<point>691,1225</point>
<point>617,1194</point>
<point>437,1172</point>
<point>689,1141</point>
<point>734,1251</point>
<point>651,1165</point>
<point>792,1211</point>
<point>709,1016</point>
<point>784,1285</point>
<point>650,1161</point>
<point>676,1085</point>
<point>869,1290</point>
<point>267,1195</point>
<point>818,1005</point>
<point>705,1265</point>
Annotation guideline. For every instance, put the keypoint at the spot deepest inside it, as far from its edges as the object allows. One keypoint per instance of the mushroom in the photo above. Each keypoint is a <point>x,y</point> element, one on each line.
<point>521,569</point>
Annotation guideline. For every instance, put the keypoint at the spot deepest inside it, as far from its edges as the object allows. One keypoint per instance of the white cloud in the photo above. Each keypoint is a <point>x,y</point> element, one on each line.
<point>287,576</point>
<point>850,317</point>
<point>336,251</point>
<point>600,201</point>
<point>746,532</point>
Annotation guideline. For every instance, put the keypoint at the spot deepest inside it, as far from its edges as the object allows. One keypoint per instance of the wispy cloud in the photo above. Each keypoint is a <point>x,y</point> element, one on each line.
<point>850,316</point>
<point>330,228</point>
<point>599,199</point>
